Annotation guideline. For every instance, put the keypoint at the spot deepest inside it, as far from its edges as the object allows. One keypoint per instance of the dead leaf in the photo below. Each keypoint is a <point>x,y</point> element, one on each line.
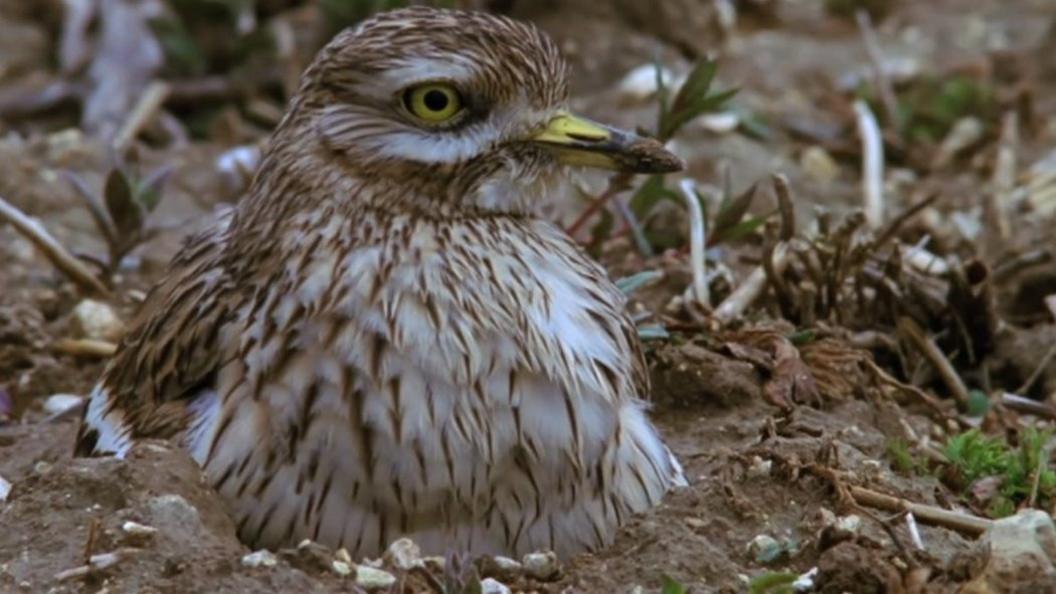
<point>792,380</point>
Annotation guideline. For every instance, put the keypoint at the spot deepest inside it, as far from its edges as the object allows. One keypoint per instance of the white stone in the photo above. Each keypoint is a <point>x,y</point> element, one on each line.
<point>342,555</point>
<point>541,566</point>
<point>138,530</point>
<point>58,403</point>
<point>5,489</point>
<point>849,524</point>
<point>369,578</point>
<point>722,122</point>
<point>507,565</point>
<point>493,586</point>
<point>819,165</point>
<point>261,558</point>
<point>805,582</point>
<point>341,568</point>
<point>404,554</point>
<point>759,468</point>
<point>97,320</point>
<point>1022,554</point>
<point>763,545</point>
<point>640,83</point>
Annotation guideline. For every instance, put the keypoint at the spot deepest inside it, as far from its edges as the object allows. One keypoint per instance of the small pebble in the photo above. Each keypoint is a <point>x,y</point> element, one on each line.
<point>5,489</point>
<point>720,123</point>
<point>404,554</point>
<point>759,468</point>
<point>541,566</point>
<point>58,403</point>
<point>764,548</point>
<point>97,320</point>
<point>136,530</point>
<point>500,567</point>
<point>342,555</point>
<point>261,558</point>
<point>805,582</point>
<point>849,524</point>
<point>819,165</point>
<point>493,586</point>
<point>373,579</point>
<point>640,83</point>
<point>341,568</point>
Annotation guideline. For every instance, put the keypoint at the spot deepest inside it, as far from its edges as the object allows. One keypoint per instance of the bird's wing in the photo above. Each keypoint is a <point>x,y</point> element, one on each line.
<point>171,350</point>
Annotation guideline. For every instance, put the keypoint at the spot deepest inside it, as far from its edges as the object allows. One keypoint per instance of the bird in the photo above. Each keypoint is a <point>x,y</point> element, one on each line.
<point>383,338</point>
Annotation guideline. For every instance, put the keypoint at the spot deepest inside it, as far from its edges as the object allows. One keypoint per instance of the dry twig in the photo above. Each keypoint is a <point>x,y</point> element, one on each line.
<point>1029,406</point>
<point>76,270</point>
<point>697,240</point>
<point>872,164</point>
<point>927,514</point>
<point>998,227</point>
<point>752,287</point>
<point>146,108</point>
<point>84,347</point>
<point>916,335</point>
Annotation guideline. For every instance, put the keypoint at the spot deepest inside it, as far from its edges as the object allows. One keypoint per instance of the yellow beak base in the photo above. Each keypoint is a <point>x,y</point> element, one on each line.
<point>579,141</point>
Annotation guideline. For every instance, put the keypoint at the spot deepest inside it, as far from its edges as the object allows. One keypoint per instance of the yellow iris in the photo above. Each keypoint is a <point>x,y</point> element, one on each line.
<point>433,102</point>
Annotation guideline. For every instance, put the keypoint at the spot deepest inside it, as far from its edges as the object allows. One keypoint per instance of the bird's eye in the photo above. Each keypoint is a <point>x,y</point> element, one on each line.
<point>435,102</point>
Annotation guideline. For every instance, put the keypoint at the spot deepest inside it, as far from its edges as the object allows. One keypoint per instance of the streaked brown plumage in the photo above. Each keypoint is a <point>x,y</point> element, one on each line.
<point>381,339</point>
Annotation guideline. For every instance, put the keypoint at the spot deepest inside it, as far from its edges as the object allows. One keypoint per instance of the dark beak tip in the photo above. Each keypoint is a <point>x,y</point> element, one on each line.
<point>650,156</point>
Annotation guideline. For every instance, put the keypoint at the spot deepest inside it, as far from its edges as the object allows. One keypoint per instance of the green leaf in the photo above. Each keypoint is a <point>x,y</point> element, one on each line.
<point>671,586</point>
<point>772,582</point>
<point>630,284</point>
<point>149,190</point>
<point>649,194</point>
<point>802,337</point>
<point>181,49</point>
<point>696,85</point>
<point>699,107</point>
<point>126,214</point>
<point>653,332</point>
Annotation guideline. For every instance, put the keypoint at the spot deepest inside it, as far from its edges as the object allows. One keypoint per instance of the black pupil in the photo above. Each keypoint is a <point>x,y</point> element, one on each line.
<point>435,100</point>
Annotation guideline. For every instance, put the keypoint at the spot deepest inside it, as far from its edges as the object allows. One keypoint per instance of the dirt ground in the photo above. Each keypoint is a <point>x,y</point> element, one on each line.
<point>771,454</point>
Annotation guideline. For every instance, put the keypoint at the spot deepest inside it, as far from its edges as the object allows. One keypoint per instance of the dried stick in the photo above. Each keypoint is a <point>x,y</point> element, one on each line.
<point>84,347</point>
<point>1045,360</point>
<point>1029,406</point>
<point>872,164</point>
<point>752,287</point>
<point>76,270</point>
<point>896,224</point>
<point>784,206</point>
<point>146,108</point>
<point>617,184</point>
<point>696,243</point>
<point>1002,183</point>
<point>914,532</point>
<point>927,514</point>
<point>915,334</point>
<point>1008,268</point>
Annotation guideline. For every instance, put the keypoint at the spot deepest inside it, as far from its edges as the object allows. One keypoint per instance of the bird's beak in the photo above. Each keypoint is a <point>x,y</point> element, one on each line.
<point>579,141</point>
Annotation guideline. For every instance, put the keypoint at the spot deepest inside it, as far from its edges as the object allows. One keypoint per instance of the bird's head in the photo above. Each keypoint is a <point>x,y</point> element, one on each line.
<point>452,111</point>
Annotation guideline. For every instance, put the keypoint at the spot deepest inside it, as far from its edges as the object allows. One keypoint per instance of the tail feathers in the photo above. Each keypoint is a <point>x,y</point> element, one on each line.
<point>103,430</point>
